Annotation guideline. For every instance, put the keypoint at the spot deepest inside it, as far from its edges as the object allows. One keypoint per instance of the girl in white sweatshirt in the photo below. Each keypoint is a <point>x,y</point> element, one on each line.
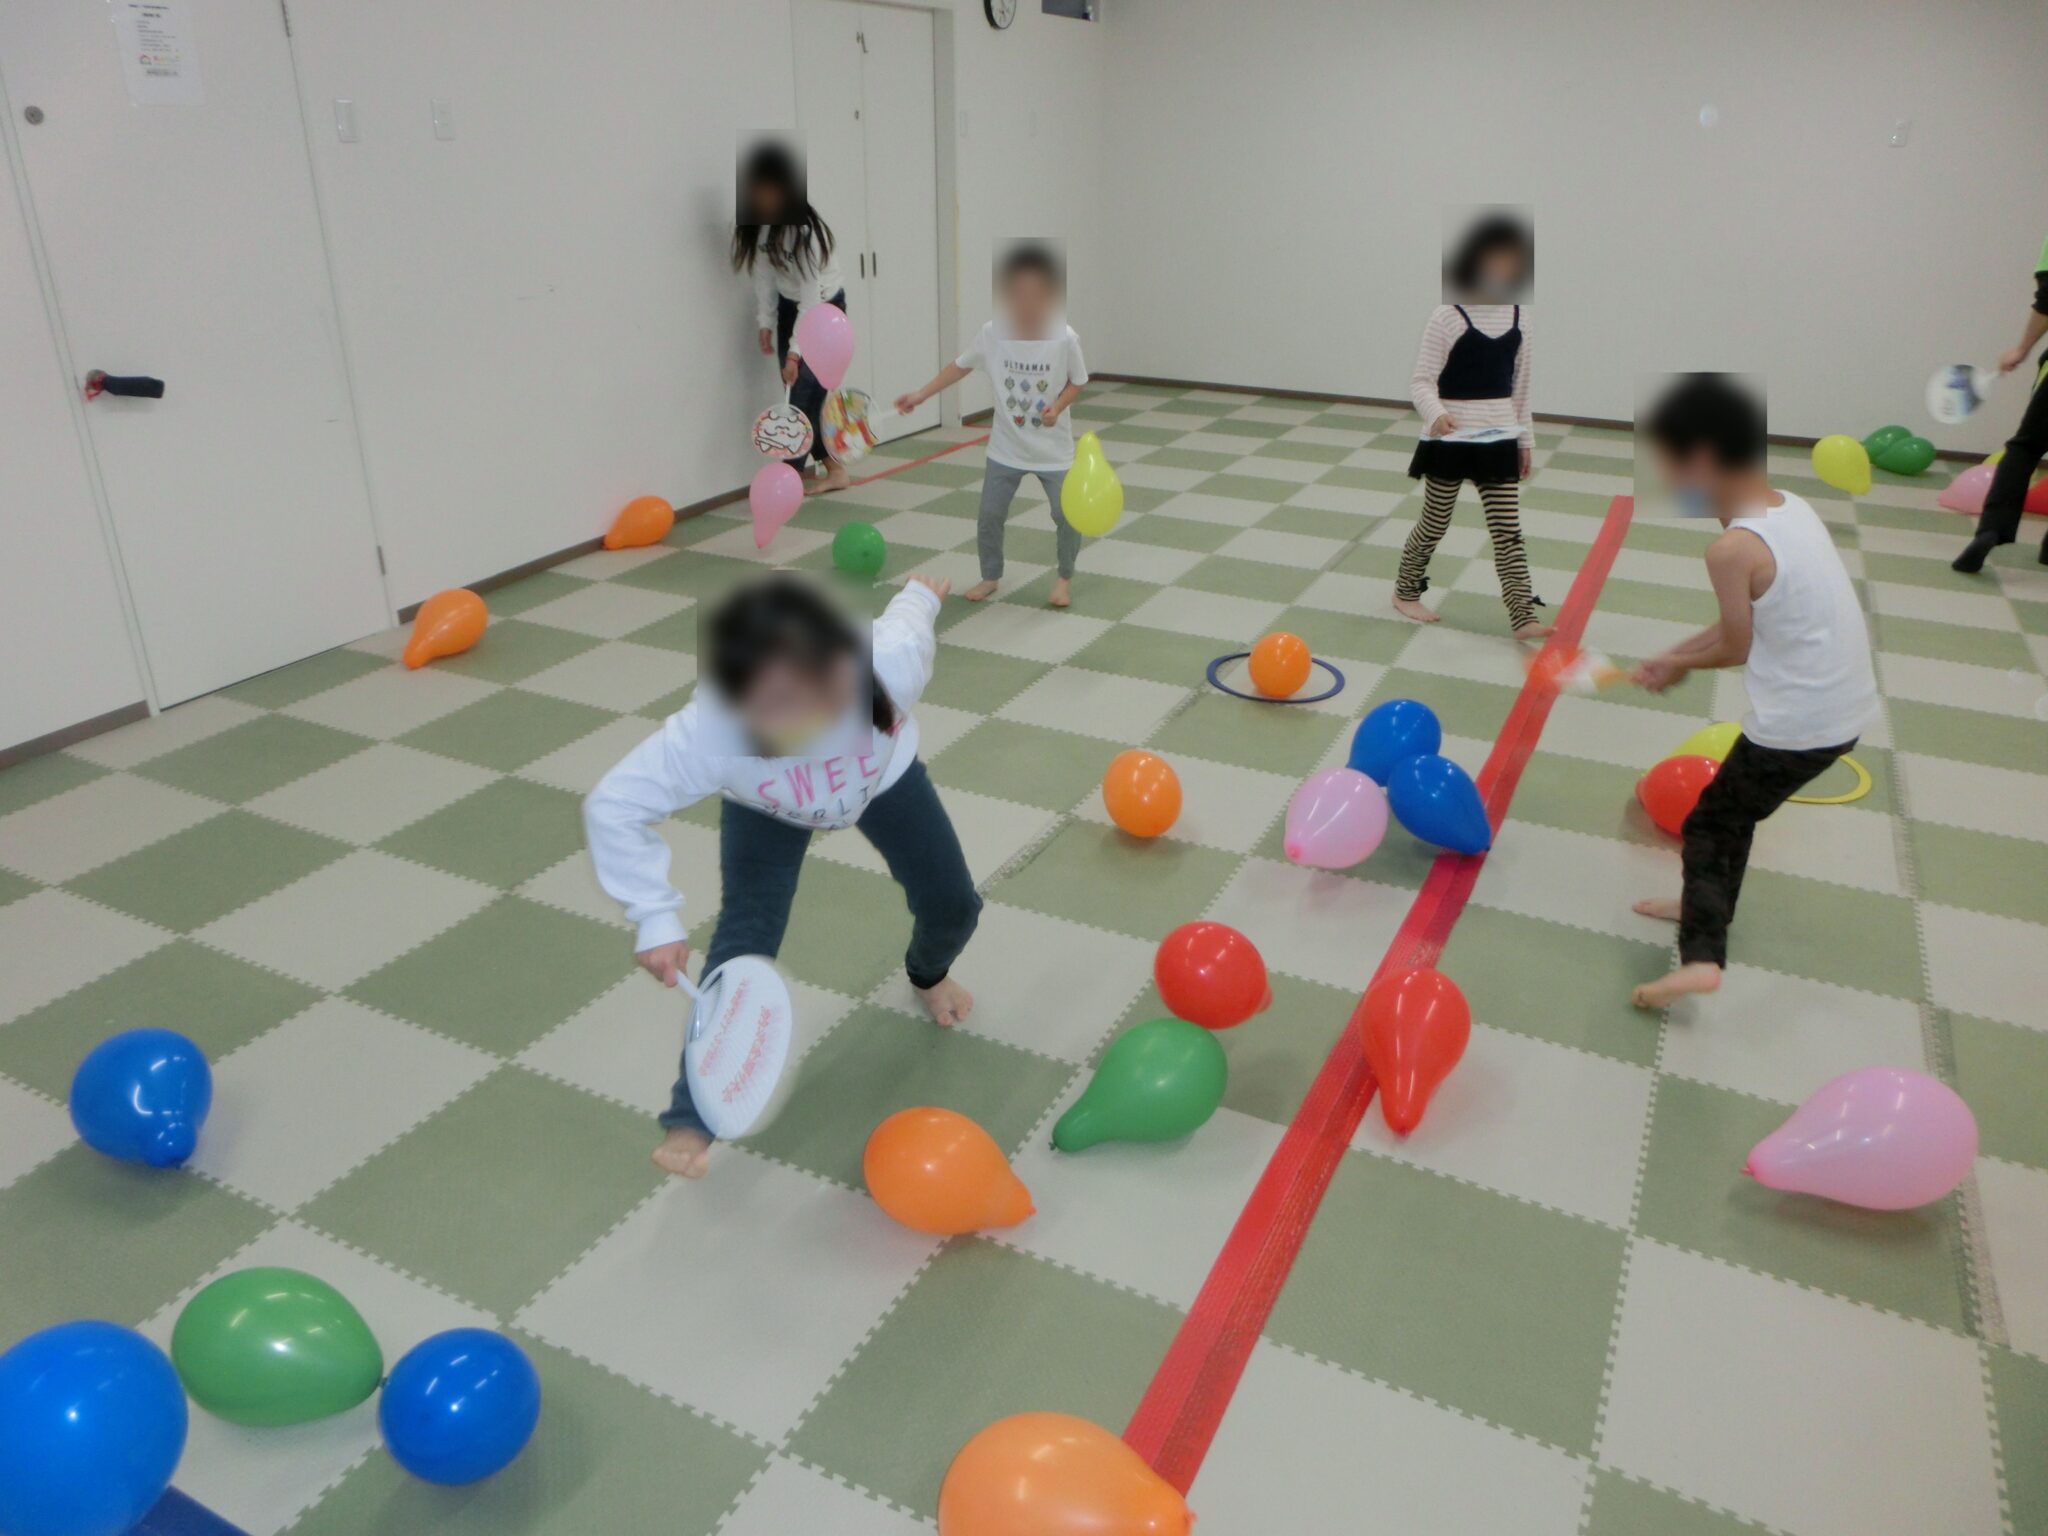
<point>801,723</point>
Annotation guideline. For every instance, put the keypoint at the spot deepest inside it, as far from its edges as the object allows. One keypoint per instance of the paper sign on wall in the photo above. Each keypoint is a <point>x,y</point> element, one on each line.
<point>159,52</point>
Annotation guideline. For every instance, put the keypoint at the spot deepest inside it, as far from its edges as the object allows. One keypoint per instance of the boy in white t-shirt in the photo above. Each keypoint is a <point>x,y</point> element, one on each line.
<point>1033,359</point>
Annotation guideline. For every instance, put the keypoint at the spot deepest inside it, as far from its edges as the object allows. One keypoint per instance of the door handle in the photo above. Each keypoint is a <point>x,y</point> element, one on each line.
<point>139,386</point>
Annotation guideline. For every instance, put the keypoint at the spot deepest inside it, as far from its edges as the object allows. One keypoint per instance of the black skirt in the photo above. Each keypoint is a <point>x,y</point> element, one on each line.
<point>1481,463</point>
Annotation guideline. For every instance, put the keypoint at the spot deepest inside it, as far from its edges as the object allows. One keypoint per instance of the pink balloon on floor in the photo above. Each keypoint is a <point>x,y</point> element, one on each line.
<point>1882,1138</point>
<point>1335,819</point>
<point>825,337</point>
<point>777,492</point>
<point>1966,492</point>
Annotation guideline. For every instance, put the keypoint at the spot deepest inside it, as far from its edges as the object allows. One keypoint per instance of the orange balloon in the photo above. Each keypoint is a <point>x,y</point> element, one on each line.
<point>1141,792</point>
<point>643,520</point>
<point>1279,665</point>
<point>1051,1474</point>
<point>1670,790</point>
<point>447,624</point>
<point>1415,1024</point>
<point>937,1171</point>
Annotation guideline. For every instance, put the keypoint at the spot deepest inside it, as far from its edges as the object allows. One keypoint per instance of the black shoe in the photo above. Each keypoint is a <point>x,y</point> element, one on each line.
<point>1971,560</point>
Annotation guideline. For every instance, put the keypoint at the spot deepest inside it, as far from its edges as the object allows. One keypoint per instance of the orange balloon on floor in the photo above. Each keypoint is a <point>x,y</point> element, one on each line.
<point>937,1171</point>
<point>1670,790</point>
<point>1051,1474</point>
<point>447,624</point>
<point>1279,665</point>
<point>1141,792</point>
<point>643,520</point>
<point>1415,1024</point>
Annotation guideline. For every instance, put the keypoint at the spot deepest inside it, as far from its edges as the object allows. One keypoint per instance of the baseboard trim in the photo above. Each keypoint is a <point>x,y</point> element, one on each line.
<point>71,735</point>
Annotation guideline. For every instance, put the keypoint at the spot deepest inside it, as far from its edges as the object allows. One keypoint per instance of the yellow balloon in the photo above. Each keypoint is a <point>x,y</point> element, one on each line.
<point>1843,463</point>
<point>1092,498</point>
<point>1715,741</point>
<point>1996,457</point>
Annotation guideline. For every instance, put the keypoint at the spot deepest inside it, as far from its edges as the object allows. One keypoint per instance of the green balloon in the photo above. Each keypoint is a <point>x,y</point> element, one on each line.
<point>1908,456</point>
<point>1160,1080</point>
<point>1883,438</point>
<point>274,1346</point>
<point>858,550</point>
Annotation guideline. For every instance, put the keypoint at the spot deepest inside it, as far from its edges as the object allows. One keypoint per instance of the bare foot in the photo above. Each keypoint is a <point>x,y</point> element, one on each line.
<point>1412,608</point>
<point>684,1153</point>
<point>1061,596</point>
<point>980,592</point>
<point>1665,907</point>
<point>948,1003</point>
<point>834,479</point>
<point>1700,976</point>
<point>1535,629</point>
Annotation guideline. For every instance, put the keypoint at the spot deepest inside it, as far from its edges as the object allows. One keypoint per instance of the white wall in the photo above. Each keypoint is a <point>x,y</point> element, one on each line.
<point>62,635</point>
<point>1272,215</point>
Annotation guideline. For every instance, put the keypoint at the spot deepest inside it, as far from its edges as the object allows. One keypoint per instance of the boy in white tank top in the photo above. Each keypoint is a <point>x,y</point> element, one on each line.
<point>1790,615</point>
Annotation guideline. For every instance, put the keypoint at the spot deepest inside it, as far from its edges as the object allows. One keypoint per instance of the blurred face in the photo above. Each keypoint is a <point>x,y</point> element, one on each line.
<point>1501,271</point>
<point>766,201</point>
<point>1030,301</point>
<point>1701,486</point>
<point>788,707</point>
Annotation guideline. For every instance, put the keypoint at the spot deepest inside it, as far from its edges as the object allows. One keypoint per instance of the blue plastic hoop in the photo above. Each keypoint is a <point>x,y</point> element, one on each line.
<point>1216,681</point>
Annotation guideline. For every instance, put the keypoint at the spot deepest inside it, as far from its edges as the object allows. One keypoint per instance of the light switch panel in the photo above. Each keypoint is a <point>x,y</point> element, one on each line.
<point>344,120</point>
<point>444,118</point>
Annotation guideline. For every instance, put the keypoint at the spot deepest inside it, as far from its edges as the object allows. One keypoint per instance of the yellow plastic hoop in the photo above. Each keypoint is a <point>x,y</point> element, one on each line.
<point>1862,788</point>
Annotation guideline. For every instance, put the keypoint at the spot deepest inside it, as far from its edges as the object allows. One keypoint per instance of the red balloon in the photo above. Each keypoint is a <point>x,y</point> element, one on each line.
<point>1670,790</point>
<point>1415,1024</point>
<point>1211,975</point>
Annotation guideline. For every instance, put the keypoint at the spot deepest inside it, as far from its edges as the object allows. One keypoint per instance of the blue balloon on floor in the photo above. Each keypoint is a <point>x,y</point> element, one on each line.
<point>1390,734</point>
<point>459,1406</point>
<point>92,1423</point>
<point>141,1096</point>
<point>1436,800</point>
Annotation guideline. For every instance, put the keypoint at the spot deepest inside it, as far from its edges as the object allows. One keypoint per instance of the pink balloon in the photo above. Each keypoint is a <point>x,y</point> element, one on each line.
<point>1335,819</point>
<point>777,492</point>
<point>1966,492</point>
<point>825,337</point>
<point>1883,1138</point>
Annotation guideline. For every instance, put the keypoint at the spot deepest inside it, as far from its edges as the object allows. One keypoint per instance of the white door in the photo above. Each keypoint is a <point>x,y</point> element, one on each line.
<point>826,36</point>
<point>903,209</point>
<point>183,243</point>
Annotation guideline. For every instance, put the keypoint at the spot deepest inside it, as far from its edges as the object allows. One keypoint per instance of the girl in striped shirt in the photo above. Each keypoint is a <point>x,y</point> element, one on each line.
<point>1472,373</point>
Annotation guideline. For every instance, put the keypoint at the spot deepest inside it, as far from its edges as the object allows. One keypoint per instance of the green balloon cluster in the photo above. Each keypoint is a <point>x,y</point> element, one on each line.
<point>274,1346</point>
<point>1910,455</point>
<point>1883,438</point>
<point>1158,1081</point>
<point>859,550</point>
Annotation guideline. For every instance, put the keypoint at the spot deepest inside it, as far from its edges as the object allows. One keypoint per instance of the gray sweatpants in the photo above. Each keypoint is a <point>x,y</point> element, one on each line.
<point>998,487</point>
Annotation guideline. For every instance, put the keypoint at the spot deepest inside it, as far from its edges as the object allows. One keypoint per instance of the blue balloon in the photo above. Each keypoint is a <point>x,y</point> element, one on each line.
<point>1436,800</point>
<point>1390,734</point>
<point>141,1096</point>
<point>459,1406</point>
<point>92,1423</point>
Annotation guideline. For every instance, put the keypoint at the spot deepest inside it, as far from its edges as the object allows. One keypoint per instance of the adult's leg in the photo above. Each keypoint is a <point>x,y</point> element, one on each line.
<point>759,860</point>
<point>2004,502</point>
<point>1503,503</point>
<point>909,827</point>
<point>1438,498</point>
<point>999,485</point>
<point>1066,539</point>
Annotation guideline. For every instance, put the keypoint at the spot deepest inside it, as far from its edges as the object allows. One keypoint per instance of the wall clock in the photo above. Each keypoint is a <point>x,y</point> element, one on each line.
<point>1000,12</point>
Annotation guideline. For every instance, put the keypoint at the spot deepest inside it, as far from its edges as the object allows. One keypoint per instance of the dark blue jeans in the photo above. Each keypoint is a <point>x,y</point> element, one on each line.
<point>760,858</point>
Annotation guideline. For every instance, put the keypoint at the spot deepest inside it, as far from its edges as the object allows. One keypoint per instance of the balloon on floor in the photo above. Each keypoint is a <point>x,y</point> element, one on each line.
<point>92,1423</point>
<point>1884,437</point>
<point>1335,820</point>
<point>1091,497</point>
<point>643,520</point>
<point>1673,787</point>
<point>937,1171</point>
<point>271,1346</point>
<point>1158,1081</point>
<point>1390,734</point>
<point>1910,455</point>
<point>1437,801</point>
<point>1415,1025</point>
<point>459,1406</point>
<point>777,491</point>
<point>142,1096</point>
<point>1141,792</point>
<point>1843,463</point>
<point>1967,491</point>
<point>1883,1138</point>
<point>1279,665</point>
<point>859,550</point>
<point>1050,1474</point>
<point>447,624</point>
<point>1211,975</point>
<point>1710,741</point>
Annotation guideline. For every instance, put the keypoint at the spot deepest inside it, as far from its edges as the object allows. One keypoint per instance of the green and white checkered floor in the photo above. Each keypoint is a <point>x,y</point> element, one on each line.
<point>1556,1309</point>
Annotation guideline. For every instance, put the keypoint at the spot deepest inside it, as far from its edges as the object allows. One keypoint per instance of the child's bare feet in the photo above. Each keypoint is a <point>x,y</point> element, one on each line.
<point>1665,907</point>
<point>1686,981</point>
<point>1061,596</point>
<point>980,592</point>
<point>834,479</point>
<point>948,1003</point>
<point>684,1153</point>
<point>1535,629</point>
<point>1412,608</point>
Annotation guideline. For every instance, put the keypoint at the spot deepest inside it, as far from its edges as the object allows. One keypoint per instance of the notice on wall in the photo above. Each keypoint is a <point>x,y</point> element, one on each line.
<point>159,52</point>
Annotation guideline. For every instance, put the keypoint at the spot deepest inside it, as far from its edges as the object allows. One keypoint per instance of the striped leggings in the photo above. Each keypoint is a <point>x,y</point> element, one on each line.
<point>1502,500</point>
